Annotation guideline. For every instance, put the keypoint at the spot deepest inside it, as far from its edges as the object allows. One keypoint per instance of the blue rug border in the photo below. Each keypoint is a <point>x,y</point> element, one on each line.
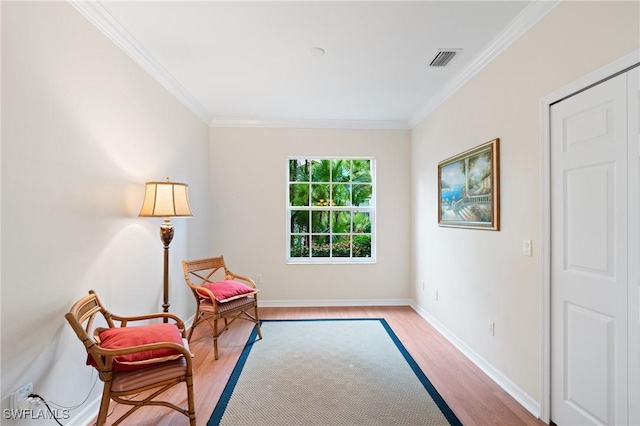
<point>221,406</point>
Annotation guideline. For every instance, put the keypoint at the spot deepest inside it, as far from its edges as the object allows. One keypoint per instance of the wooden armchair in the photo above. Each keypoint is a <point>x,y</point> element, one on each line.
<point>223,299</point>
<point>129,369</point>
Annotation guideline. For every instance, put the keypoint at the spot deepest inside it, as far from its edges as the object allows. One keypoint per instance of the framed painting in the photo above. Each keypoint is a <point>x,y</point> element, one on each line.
<point>468,189</point>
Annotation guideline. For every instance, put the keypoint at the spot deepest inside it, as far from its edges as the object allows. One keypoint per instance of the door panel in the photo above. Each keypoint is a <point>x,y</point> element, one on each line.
<point>589,374</point>
<point>588,238</point>
<point>588,338</point>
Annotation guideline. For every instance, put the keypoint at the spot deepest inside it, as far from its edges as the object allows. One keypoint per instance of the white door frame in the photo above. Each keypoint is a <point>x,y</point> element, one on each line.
<point>585,82</point>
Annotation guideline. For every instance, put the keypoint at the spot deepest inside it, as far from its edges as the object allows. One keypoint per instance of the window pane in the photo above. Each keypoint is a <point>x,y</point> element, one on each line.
<point>340,222</point>
<point>330,208</point>
<point>298,170</point>
<point>320,246</point>
<point>362,171</point>
<point>361,222</point>
<point>340,170</point>
<point>298,194</point>
<point>362,246</point>
<point>341,195</point>
<point>299,246</point>
<point>320,170</point>
<point>362,194</point>
<point>320,195</point>
<point>299,221</point>
<point>341,246</point>
<point>320,222</point>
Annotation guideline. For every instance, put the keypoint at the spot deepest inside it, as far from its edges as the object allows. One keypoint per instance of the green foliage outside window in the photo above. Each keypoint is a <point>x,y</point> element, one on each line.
<point>330,208</point>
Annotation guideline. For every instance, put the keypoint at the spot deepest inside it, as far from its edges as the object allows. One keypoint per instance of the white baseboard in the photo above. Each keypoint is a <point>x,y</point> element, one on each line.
<point>501,380</point>
<point>189,322</point>
<point>329,303</point>
<point>88,413</point>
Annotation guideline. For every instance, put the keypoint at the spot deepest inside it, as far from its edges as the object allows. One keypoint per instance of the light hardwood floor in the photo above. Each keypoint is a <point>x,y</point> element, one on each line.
<point>470,393</point>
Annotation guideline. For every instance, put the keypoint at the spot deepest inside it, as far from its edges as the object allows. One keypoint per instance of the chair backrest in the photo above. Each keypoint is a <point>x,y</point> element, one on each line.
<point>81,317</point>
<point>202,271</point>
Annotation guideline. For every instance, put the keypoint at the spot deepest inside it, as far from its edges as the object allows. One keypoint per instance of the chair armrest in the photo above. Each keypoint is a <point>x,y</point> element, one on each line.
<point>209,293</point>
<point>125,320</point>
<point>231,275</point>
<point>142,348</point>
<point>109,354</point>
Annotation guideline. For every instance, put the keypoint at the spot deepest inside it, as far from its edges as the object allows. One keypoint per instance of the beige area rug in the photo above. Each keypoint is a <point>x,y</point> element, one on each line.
<point>328,373</point>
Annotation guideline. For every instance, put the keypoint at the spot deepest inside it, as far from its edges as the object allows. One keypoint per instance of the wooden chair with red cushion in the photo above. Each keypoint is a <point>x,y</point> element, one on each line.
<point>133,360</point>
<point>220,294</point>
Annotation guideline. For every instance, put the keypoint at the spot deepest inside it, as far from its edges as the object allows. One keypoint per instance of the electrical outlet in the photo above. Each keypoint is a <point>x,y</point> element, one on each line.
<point>422,285</point>
<point>258,278</point>
<point>18,400</point>
<point>437,295</point>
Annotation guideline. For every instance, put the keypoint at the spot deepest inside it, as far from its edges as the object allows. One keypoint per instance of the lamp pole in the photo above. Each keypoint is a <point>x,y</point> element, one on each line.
<point>166,235</point>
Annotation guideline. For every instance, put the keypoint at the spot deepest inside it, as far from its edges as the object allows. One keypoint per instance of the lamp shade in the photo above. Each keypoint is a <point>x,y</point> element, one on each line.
<point>165,199</point>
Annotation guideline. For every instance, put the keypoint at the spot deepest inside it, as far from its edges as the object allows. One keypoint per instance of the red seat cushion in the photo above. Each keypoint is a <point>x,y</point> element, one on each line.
<point>125,337</point>
<point>227,290</point>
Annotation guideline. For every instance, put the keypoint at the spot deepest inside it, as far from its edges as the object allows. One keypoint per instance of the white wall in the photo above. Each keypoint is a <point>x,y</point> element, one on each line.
<point>248,212</point>
<point>83,127</point>
<point>482,275</point>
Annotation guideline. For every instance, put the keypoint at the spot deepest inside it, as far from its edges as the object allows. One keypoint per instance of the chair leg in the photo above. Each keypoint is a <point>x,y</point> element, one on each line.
<point>258,323</point>
<point>193,326</point>
<point>104,404</point>
<point>196,321</point>
<point>190,401</point>
<point>215,338</point>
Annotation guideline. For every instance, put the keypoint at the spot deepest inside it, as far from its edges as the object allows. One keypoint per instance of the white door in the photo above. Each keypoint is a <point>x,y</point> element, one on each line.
<point>589,271</point>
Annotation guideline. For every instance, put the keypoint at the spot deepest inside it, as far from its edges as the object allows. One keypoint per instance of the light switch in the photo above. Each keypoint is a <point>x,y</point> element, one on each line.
<point>526,247</point>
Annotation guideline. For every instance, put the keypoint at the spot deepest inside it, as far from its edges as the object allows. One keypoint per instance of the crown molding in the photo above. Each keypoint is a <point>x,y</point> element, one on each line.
<point>95,13</point>
<point>312,124</point>
<point>522,23</point>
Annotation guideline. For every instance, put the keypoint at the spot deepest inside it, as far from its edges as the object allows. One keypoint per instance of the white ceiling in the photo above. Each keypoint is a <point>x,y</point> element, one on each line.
<point>244,63</point>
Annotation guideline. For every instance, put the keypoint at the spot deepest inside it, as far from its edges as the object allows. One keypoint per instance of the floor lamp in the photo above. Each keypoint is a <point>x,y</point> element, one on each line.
<point>166,199</point>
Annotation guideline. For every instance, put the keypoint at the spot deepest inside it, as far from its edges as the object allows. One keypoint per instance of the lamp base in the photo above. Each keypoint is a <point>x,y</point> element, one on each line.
<point>166,232</point>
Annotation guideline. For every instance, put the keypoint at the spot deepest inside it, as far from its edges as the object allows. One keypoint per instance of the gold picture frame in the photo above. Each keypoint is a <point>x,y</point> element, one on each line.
<point>469,188</point>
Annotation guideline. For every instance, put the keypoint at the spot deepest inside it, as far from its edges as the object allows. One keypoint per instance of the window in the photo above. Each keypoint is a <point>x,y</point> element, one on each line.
<point>330,210</point>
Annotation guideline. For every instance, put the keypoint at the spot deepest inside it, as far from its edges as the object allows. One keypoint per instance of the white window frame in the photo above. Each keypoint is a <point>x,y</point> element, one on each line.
<point>371,209</point>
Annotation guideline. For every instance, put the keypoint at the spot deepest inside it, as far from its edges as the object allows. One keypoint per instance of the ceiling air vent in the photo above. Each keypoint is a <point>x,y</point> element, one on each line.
<point>443,58</point>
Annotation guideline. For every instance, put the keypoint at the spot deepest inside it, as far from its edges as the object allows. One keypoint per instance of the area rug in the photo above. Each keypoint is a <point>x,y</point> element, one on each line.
<point>328,373</point>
